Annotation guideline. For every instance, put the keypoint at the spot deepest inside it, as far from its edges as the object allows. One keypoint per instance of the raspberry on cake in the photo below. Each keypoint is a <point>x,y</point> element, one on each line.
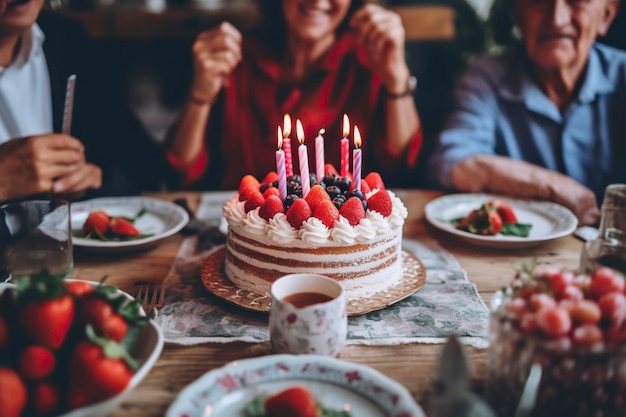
<point>336,231</point>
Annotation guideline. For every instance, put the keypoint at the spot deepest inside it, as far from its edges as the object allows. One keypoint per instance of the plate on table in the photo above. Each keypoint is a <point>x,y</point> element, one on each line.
<point>215,280</point>
<point>336,384</point>
<point>549,220</point>
<point>160,220</point>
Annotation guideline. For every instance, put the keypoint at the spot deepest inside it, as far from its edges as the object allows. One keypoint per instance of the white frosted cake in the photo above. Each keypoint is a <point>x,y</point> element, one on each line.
<point>363,254</point>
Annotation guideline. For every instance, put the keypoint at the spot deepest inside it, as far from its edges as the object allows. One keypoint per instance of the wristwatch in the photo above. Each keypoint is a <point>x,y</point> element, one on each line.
<point>411,86</point>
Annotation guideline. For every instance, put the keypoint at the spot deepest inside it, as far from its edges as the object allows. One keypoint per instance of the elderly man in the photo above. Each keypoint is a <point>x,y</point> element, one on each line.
<point>547,118</point>
<point>107,146</point>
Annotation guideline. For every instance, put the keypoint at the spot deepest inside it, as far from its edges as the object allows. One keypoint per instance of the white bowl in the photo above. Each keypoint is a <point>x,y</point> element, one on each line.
<point>146,351</point>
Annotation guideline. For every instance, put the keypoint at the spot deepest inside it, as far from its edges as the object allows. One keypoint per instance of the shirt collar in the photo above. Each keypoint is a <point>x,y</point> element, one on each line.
<point>269,64</point>
<point>518,85</point>
<point>31,44</point>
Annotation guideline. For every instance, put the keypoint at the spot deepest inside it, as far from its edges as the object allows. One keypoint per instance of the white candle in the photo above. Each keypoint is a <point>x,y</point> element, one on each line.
<point>304,160</point>
<point>356,159</point>
<point>319,155</point>
<point>280,167</point>
<point>287,145</point>
<point>345,145</point>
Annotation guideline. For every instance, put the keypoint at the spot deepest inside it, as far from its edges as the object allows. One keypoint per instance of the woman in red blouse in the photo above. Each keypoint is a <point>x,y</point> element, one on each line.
<point>316,59</point>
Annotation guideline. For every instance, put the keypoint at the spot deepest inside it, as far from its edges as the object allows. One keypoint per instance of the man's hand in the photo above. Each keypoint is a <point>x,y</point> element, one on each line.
<point>215,54</point>
<point>381,33</point>
<point>32,165</point>
<point>578,198</point>
<point>74,185</point>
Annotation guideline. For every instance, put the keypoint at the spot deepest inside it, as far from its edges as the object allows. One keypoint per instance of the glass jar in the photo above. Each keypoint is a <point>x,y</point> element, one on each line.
<point>576,381</point>
<point>609,249</point>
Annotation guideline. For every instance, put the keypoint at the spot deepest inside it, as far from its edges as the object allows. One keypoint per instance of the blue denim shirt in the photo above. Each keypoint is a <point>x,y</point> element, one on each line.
<point>500,110</point>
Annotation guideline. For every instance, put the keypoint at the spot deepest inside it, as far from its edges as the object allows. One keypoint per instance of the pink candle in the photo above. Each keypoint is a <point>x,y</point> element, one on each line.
<point>287,144</point>
<point>280,167</point>
<point>345,145</point>
<point>356,159</point>
<point>319,155</point>
<point>304,160</point>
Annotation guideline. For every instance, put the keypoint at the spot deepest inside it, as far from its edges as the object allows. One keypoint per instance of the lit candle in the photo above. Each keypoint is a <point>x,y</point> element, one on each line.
<point>319,155</point>
<point>345,145</point>
<point>287,144</point>
<point>356,159</point>
<point>304,160</point>
<point>280,167</point>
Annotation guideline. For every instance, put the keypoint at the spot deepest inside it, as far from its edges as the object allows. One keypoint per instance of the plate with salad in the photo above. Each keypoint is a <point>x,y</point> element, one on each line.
<point>498,221</point>
<point>120,224</point>
<point>295,386</point>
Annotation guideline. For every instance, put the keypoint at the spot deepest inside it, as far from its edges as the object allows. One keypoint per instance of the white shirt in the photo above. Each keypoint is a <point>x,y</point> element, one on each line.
<point>25,96</point>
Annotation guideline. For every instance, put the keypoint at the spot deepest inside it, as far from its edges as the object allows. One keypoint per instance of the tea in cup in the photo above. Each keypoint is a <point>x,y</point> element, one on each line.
<point>307,315</point>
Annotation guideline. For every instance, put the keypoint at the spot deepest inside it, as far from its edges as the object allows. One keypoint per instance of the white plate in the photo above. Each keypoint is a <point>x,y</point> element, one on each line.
<point>162,219</point>
<point>336,384</point>
<point>146,350</point>
<point>549,220</point>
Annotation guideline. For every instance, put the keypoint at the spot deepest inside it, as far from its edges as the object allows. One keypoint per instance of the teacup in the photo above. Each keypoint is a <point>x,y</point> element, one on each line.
<point>307,315</point>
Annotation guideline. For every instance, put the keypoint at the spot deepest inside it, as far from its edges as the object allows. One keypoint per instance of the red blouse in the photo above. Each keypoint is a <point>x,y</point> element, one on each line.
<point>249,110</point>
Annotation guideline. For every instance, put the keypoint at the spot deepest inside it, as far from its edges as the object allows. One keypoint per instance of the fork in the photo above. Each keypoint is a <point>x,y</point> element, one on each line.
<point>152,295</point>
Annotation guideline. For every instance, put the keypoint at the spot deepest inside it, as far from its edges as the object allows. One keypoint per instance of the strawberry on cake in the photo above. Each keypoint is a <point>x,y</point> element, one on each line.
<point>352,236</point>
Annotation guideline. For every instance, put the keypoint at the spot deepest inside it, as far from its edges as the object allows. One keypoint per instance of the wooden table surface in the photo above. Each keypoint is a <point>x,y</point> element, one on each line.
<point>412,365</point>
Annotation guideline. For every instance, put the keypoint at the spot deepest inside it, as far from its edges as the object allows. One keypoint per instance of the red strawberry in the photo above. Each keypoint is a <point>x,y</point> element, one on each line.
<point>47,321</point>
<point>330,169</point>
<point>79,288</point>
<point>271,191</point>
<point>255,200</point>
<point>353,210</point>
<point>271,177</point>
<point>327,213</point>
<point>272,206</point>
<point>374,180</point>
<point>97,223</point>
<point>504,210</point>
<point>298,213</point>
<point>36,362</point>
<point>380,202</point>
<point>45,398</point>
<point>122,227</point>
<point>316,195</point>
<point>248,186</point>
<point>295,401</point>
<point>248,181</point>
<point>12,393</point>
<point>96,372</point>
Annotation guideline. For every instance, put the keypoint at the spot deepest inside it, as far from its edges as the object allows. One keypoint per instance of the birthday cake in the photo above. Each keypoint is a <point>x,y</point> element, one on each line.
<point>352,236</point>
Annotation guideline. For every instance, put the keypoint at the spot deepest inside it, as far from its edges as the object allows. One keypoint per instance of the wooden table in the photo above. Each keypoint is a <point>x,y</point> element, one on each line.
<point>412,365</point>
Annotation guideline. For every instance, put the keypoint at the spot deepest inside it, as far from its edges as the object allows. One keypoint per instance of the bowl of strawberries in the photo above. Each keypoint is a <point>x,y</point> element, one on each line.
<point>71,348</point>
<point>574,326</point>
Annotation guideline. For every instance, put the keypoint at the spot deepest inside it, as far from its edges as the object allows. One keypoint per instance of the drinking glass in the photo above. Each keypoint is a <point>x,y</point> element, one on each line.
<point>35,236</point>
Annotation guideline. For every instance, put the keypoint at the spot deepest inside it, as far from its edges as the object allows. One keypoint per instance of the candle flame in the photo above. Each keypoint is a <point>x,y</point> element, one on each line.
<point>299,131</point>
<point>321,132</point>
<point>280,138</point>
<point>286,125</point>
<point>357,137</point>
<point>346,126</point>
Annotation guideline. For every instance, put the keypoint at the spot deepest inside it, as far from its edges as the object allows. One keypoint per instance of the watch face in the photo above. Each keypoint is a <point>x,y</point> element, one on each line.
<point>412,83</point>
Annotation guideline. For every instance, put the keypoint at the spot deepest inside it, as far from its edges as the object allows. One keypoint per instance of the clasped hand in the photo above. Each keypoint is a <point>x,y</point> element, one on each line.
<point>51,163</point>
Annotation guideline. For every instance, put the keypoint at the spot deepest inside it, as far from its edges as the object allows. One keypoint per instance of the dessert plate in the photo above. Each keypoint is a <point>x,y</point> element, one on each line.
<point>550,220</point>
<point>160,220</point>
<point>336,384</point>
<point>215,280</point>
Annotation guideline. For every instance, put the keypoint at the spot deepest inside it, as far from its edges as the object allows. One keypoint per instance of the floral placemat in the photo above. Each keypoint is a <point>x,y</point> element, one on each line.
<point>448,302</point>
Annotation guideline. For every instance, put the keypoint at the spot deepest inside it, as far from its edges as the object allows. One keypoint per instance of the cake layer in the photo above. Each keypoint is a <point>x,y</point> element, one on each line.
<point>362,269</point>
